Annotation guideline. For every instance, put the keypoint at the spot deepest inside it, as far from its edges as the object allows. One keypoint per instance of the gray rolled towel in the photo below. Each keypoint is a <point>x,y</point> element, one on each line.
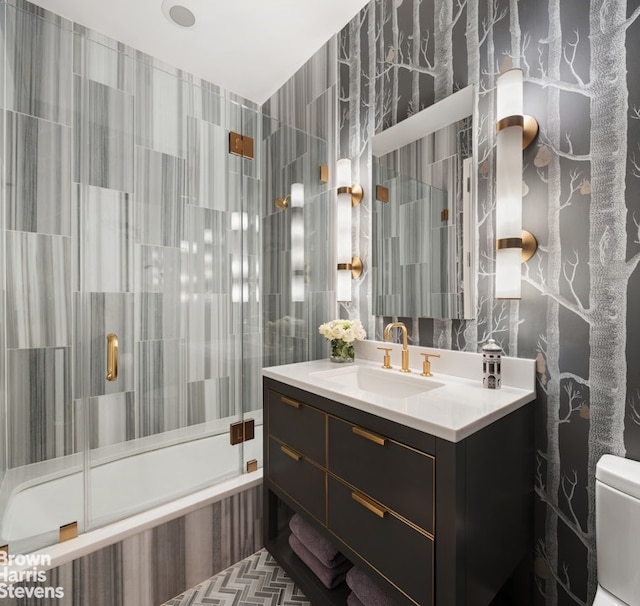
<point>315,542</point>
<point>366,590</point>
<point>330,577</point>
<point>352,600</point>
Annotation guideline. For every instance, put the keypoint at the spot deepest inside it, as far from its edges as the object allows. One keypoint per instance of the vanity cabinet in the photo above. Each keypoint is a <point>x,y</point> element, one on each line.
<point>436,523</point>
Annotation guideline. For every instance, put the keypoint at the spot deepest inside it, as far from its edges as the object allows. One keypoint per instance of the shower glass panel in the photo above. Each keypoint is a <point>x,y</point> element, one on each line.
<point>297,274</point>
<point>125,220</point>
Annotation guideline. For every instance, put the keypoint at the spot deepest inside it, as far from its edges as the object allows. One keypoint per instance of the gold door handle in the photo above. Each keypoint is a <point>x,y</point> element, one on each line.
<point>368,504</point>
<point>291,453</point>
<point>290,402</point>
<point>112,356</point>
<point>368,435</point>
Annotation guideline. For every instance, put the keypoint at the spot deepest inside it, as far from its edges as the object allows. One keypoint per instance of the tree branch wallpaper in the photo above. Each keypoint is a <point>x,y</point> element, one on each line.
<point>581,199</point>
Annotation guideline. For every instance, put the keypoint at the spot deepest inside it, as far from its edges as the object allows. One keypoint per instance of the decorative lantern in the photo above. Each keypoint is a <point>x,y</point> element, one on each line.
<point>491,356</point>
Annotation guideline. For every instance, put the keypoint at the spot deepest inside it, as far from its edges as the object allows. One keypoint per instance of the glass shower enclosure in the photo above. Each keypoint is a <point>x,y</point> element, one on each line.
<point>130,243</point>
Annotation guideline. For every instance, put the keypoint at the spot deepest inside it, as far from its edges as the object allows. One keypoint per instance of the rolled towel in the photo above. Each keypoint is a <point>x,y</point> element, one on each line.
<point>330,577</point>
<point>315,542</point>
<point>352,600</point>
<point>366,590</point>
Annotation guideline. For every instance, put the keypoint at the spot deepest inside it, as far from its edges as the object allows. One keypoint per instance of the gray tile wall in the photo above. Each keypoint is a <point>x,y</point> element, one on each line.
<point>153,566</point>
<point>117,215</point>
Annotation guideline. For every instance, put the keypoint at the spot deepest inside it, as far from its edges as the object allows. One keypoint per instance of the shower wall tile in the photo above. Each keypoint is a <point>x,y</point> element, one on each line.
<point>111,419</point>
<point>104,220</point>
<point>161,101</point>
<point>38,175</point>
<point>104,136</point>
<point>39,59</point>
<point>207,164</point>
<point>159,198</point>
<point>109,313</point>
<point>102,62</point>
<point>160,386</point>
<point>207,104</point>
<point>38,290</point>
<point>209,400</point>
<point>40,415</point>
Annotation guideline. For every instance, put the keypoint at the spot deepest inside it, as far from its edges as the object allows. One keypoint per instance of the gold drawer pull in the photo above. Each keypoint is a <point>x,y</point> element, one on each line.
<point>372,437</point>
<point>370,505</point>
<point>291,453</point>
<point>290,402</point>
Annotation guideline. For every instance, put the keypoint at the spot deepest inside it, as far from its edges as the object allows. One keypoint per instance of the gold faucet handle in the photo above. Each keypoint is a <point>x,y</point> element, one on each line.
<point>426,365</point>
<point>386,363</point>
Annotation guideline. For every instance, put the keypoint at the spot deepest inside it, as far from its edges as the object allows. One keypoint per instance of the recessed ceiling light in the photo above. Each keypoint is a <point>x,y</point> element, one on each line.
<point>178,14</point>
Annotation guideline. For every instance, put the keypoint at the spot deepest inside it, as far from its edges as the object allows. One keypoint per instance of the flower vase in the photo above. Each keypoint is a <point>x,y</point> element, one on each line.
<point>341,351</point>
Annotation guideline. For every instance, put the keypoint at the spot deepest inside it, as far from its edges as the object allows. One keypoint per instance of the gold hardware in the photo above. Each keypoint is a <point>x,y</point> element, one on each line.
<point>405,349</point>
<point>291,453</point>
<point>290,402</point>
<point>444,215</point>
<point>239,145</point>
<point>382,193</point>
<point>356,192</point>
<point>355,266</point>
<point>528,124</point>
<point>241,431</point>
<point>368,504</point>
<point>369,435</point>
<point>324,173</point>
<point>282,203</point>
<point>426,365</point>
<point>386,363</point>
<point>4,550</point>
<point>252,465</point>
<point>68,532</point>
<point>527,243</point>
<point>112,356</point>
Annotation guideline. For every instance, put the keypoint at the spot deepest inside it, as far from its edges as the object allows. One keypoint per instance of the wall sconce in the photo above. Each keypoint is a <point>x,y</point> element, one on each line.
<point>349,195</point>
<point>514,133</point>
<point>296,199</point>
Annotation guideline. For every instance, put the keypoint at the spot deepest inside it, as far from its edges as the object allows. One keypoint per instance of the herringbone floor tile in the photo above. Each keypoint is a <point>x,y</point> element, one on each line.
<point>256,580</point>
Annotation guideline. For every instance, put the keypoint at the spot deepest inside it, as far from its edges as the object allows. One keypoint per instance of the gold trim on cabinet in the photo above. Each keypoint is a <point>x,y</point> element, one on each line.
<point>112,356</point>
<point>369,435</point>
<point>290,402</point>
<point>68,532</point>
<point>367,504</point>
<point>291,453</point>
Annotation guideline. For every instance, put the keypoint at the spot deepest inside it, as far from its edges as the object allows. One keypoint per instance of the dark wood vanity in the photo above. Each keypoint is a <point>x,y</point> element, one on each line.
<point>433,521</point>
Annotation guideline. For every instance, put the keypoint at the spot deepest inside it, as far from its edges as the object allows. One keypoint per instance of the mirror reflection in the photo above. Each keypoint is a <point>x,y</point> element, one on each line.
<point>423,215</point>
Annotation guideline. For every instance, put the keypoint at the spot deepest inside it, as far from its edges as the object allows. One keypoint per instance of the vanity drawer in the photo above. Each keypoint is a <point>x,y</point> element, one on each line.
<point>399,552</point>
<point>301,480</point>
<point>298,425</point>
<point>394,474</point>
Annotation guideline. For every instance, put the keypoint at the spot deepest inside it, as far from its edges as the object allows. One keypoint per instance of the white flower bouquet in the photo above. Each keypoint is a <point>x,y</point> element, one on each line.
<point>342,334</point>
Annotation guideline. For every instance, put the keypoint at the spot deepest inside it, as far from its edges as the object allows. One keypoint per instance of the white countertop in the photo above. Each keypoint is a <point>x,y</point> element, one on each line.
<point>452,411</point>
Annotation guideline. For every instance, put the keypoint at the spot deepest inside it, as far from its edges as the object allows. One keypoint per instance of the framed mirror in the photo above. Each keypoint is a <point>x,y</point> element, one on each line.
<point>424,213</point>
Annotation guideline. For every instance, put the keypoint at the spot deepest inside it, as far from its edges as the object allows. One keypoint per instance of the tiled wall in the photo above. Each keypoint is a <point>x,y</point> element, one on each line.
<point>153,566</point>
<point>122,211</point>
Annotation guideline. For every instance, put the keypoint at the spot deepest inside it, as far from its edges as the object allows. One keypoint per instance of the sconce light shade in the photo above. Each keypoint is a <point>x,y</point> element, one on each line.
<point>297,242</point>
<point>509,185</point>
<point>343,231</point>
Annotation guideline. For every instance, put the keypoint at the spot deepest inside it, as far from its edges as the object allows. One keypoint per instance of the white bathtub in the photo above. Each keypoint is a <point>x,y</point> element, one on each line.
<point>38,507</point>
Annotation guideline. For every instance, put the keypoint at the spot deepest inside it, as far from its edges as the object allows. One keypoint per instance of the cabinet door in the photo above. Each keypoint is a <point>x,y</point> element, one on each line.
<point>400,553</point>
<point>394,474</point>
<point>301,480</point>
<point>297,425</point>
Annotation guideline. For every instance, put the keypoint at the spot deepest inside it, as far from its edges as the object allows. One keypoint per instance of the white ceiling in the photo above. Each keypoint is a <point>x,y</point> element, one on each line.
<point>249,47</point>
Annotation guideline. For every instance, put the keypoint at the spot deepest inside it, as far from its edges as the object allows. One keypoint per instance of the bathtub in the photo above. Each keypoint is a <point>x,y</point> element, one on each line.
<point>35,509</point>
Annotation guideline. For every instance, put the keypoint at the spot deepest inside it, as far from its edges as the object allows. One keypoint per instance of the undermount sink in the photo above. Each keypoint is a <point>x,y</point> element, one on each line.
<point>387,383</point>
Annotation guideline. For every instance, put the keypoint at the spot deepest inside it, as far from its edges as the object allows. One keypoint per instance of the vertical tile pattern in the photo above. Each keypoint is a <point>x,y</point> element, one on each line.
<point>38,175</point>
<point>156,565</point>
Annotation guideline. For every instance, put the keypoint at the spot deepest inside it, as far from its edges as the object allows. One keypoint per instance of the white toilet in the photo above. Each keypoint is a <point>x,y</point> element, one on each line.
<point>618,531</point>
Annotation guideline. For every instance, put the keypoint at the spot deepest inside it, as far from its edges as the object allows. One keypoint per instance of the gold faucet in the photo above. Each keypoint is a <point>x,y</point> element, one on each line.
<point>405,349</point>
